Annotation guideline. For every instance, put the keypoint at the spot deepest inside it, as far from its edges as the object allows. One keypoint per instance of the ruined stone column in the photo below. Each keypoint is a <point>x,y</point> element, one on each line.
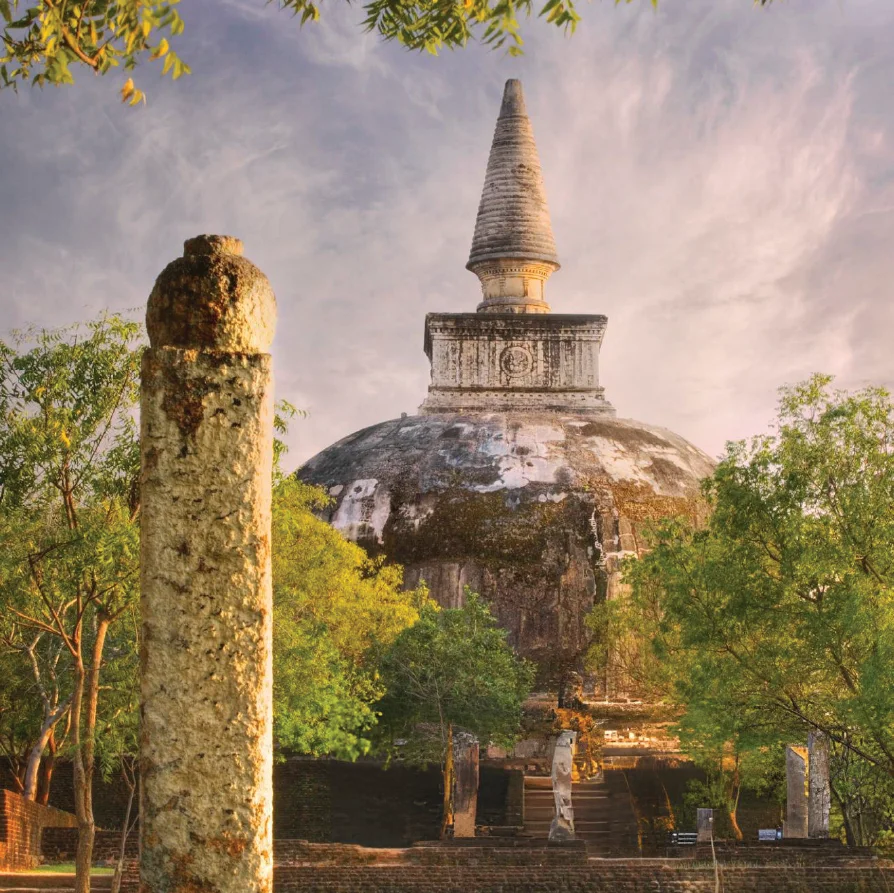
<point>704,825</point>
<point>562,827</point>
<point>465,788</point>
<point>206,670</point>
<point>795,792</point>
<point>819,793</point>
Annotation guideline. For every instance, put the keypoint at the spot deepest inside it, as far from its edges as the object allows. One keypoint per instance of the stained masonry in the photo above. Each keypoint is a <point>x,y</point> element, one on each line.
<point>206,598</point>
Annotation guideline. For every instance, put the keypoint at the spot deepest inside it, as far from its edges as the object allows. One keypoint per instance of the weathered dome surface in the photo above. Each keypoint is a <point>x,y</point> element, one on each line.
<point>532,510</point>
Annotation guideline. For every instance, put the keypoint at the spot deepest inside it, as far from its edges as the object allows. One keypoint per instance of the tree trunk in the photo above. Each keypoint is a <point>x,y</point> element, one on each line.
<point>84,856</point>
<point>82,793</point>
<point>36,755</point>
<point>45,779</point>
<point>85,697</point>
<point>734,808</point>
<point>845,816</point>
<point>735,823</point>
<point>125,831</point>
<point>447,816</point>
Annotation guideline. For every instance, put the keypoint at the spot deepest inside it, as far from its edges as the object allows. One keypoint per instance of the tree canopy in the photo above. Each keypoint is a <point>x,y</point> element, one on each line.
<point>453,670</point>
<point>777,618</point>
<point>44,39</point>
<point>69,544</point>
<point>453,667</point>
<point>335,612</point>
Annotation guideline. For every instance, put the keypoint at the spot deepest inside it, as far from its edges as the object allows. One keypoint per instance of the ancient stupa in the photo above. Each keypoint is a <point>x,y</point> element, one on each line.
<point>515,478</point>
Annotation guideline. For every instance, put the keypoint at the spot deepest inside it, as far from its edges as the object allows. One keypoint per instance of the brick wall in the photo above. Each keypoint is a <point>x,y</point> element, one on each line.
<point>109,796</point>
<point>302,801</point>
<point>339,802</point>
<point>21,824</point>
<point>60,845</point>
<point>363,803</point>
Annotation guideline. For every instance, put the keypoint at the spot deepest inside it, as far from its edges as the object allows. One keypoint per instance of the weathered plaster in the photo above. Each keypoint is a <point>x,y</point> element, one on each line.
<point>517,506</point>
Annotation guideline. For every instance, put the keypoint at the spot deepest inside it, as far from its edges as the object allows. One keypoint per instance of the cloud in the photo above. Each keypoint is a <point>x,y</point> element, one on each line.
<point>719,179</point>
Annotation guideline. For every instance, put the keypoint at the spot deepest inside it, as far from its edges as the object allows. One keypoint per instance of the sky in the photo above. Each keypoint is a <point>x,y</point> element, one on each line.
<point>720,179</point>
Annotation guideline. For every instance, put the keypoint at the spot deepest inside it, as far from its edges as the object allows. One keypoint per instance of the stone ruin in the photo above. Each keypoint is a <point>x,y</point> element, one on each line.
<point>206,442</point>
<point>206,672</point>
<point>515,478</point>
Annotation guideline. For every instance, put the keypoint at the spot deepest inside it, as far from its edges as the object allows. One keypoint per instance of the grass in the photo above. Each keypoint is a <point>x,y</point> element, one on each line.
<point>69,867</point>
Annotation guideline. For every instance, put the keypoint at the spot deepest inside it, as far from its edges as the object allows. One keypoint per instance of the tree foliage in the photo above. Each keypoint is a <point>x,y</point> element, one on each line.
<point>69,545</point>
<point>69,503</point>
<point>43,39</point>
<point>335,611</point>
<point>777,618</point>
<point>452,670</point>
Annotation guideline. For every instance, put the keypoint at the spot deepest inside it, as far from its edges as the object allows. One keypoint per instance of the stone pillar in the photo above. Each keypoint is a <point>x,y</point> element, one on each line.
<point>819,793</point>
<point>796,792</point>
<point>465,789</point>
<point>562,827</point>
<point>704,825</point>
<point>205,664</point>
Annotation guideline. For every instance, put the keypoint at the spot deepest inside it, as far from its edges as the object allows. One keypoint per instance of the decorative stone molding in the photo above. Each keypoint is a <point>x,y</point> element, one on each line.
<point>514,361</point>
<point>513,286</point>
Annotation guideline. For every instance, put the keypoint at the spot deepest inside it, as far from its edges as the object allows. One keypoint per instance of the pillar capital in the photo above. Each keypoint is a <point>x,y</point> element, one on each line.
<point>212,299</point>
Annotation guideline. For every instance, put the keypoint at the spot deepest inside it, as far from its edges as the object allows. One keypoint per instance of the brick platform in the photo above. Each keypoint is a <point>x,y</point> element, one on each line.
<point>514,865</point>
<point>599,876</point>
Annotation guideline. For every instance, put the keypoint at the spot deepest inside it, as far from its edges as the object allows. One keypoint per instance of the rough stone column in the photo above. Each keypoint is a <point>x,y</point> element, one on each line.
<point>206,669</point>
<point>562,827</point>
<point>795,792</point>
<point>819,794</point>
<point>704,825</point>
<point>465,788</point>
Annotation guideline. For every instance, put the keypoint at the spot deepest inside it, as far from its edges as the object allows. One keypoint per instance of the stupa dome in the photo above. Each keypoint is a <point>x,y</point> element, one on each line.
<point>533,510</point>
<point>515,479</point>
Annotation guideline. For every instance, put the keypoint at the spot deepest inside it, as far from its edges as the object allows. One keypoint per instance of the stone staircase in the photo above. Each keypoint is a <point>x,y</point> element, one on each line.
<point>602,817</point>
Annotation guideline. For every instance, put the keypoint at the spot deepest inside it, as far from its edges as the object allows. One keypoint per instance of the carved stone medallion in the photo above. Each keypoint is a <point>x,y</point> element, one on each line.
<point>516,360</point>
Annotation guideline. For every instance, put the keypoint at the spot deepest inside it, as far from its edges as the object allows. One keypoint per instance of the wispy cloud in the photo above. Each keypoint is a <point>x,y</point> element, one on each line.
<point>720,180</point>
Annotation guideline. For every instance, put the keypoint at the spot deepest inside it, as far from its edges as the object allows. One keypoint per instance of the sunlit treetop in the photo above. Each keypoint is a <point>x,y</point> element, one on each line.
<point>44,39</point>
